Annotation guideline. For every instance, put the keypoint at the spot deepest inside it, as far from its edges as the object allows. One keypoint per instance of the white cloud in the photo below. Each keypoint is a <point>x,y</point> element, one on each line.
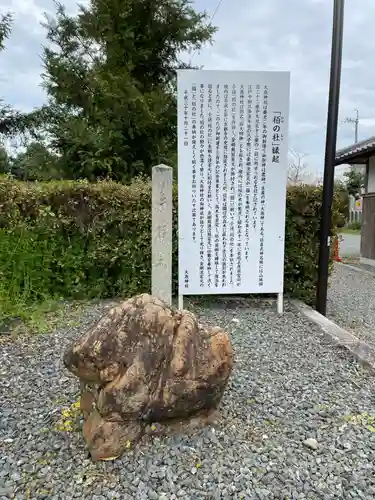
<point>297,36</point>
<point>272,34</point>
<point>27,13</point>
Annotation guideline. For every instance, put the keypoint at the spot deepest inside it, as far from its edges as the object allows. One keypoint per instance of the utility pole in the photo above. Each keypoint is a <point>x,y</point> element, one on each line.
<point>356,124</point>
<point>330,154</point>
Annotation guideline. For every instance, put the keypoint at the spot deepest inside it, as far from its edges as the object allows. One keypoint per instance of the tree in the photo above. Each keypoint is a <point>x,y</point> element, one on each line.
<point>13,122</point>
<point>354,182</point>
<point>296,173</point>
<point>37,163</point>
<point>296,169</point>
<point>5,111</point>
<point>5,28</point>
<point>111,82</point>
<point>4,161</point>
<point>342,199</point>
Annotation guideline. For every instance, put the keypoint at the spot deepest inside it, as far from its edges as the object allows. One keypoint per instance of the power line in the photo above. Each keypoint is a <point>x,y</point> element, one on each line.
<point>215,11</point>
<point>209,24</point>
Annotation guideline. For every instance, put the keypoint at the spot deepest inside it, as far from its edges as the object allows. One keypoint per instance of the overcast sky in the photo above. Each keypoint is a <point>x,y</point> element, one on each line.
<point>292,35</point>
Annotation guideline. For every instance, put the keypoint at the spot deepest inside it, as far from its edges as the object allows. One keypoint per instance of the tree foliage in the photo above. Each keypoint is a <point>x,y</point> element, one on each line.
<point>14,122</point>
<point>36,163</point>
<point>354,182</point>
<point>110,77</point>
<point>4,161</point>
<point>87,240</point>
<point>5,28</point>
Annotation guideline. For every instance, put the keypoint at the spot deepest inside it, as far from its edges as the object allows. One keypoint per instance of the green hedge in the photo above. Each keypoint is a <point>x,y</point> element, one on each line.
<point>80,240</point>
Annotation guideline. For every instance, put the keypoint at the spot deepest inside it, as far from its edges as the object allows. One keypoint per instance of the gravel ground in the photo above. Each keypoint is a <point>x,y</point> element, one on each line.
<point>351,302</point>
<point>288,385</point>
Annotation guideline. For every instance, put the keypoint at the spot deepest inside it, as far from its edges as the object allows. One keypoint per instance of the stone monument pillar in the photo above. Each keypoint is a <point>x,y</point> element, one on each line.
<point>162,180</point>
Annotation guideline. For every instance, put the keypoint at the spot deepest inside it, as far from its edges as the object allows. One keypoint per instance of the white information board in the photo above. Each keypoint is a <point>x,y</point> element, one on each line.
<point>232,174</point>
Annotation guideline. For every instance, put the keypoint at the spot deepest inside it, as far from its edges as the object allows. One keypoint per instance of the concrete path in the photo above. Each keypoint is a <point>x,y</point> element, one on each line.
<point>351,301</point>
<point>350,245</point>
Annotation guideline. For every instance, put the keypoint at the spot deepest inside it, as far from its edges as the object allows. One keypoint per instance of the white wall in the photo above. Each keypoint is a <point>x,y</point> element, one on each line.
<point>371,176</point>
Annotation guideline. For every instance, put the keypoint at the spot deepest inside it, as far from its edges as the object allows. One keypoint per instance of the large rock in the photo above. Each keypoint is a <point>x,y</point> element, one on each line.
<point>145,362</point>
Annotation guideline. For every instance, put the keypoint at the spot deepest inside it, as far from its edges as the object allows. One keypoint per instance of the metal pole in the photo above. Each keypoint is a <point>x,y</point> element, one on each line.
<point>330,154</point>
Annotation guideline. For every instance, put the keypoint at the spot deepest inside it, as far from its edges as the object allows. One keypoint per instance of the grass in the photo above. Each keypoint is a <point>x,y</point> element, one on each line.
<point>40,318</point>
<point>27,276</point>
<point>348,230</point>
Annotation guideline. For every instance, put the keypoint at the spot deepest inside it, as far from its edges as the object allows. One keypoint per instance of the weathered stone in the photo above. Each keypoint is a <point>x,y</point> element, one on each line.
<point>145,362</point>
<point>311,443</point>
